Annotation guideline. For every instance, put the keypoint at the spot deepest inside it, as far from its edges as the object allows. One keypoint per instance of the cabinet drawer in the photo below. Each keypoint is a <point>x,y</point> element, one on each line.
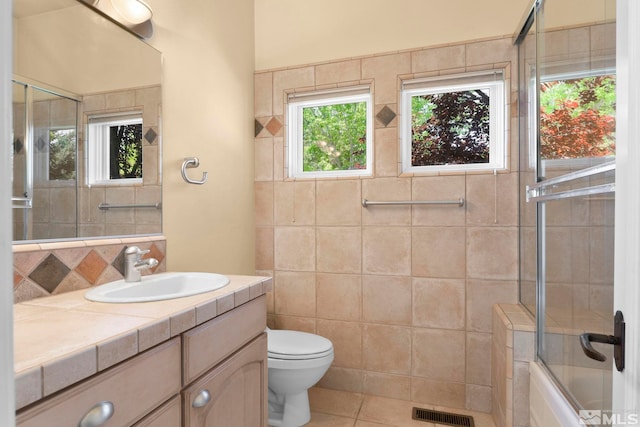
<point>134,387</point>
<point>210,343</point>
<point>168,415</point>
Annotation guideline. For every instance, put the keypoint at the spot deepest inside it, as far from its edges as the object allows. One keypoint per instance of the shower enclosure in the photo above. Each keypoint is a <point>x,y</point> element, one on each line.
<point>45,130</point>
<point>567,79</point>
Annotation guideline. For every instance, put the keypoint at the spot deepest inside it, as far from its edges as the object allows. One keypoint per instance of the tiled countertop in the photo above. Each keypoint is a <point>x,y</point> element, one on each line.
<point>60,340</point>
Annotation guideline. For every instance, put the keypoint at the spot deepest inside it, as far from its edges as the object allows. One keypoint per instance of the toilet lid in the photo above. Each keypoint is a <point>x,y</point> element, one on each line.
<point>297,345</point>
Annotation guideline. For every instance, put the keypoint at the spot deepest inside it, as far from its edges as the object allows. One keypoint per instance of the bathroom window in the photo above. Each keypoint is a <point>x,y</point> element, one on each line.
<point>330,133</point>
<point>452,123</point>
<point>114,149</point>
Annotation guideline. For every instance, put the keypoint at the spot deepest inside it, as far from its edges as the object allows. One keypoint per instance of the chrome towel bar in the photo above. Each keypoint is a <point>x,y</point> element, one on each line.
<point>460,202</point>
<point>107,206</point>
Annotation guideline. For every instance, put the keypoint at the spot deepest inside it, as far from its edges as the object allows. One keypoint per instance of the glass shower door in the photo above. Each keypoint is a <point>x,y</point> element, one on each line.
<point>574,192</point>
<point>21,199</point>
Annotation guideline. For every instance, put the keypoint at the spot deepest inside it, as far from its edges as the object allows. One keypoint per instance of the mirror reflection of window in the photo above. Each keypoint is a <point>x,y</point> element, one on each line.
<point>62,154</point>
<point>115,147</point>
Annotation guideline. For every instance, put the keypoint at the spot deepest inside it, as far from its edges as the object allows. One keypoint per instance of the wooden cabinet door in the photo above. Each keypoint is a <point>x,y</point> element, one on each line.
<point>236,390</point>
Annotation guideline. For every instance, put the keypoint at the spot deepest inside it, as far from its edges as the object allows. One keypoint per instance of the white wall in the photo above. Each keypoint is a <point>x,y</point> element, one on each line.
<point>296,32</point>
<point>208,113</point>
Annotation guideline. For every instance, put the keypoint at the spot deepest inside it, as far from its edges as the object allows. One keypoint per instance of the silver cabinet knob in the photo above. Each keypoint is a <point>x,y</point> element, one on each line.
<point>98,415</point>
<point>201,399</point>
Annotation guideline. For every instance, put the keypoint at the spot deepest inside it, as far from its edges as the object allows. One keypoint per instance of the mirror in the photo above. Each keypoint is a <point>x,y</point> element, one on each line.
<point>86,125</point>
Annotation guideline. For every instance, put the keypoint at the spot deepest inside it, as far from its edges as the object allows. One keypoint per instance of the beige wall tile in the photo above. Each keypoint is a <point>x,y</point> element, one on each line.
<point>339,296</point>
<point>295,293</point>
<point>491,201</point>
<point>478,359</point>
<point>338,72</point>
<point>263,197</point>
<point>263,157</point>
<point>303,324</point>
<point>439,303</point>
<point>478,398</point>
<point>338,202</point>
<point>384,70</point>
<point>386,250</point>
<point>386,189</point>
<point>344,379</point>
<point>481,296</point>
<point>439,354</point>
<point>295,248</point>
<point>492,253</point>
<point>288,80</point>
<point>437,59</point>
<point>339,249</point>
<point>438,392</point>
<point>279,163</point>
<point>438,252</point>
<point>347,342</point>
<point>387,385</point>
<point>264,248</point>
<point>295,203</point>
<point>387,349</point>
<point>385,157</point>
<point>386,299</point>
<point>263,90</point>
<point>439,188</point>
<point>489,52</point>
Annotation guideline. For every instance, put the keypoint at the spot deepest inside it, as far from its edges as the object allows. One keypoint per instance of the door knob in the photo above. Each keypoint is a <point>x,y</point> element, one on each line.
<point>617,340</point>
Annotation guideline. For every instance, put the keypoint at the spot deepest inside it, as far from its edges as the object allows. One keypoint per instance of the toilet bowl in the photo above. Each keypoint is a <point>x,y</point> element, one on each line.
<point>296,361</point>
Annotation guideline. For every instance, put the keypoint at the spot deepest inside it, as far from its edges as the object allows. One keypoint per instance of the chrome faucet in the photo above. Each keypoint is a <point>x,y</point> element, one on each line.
<point>133,263</point>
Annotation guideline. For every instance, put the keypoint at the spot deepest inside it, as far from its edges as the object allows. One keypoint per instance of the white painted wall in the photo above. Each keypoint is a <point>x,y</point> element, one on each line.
<point>207,112</point>
<point>296,32</point>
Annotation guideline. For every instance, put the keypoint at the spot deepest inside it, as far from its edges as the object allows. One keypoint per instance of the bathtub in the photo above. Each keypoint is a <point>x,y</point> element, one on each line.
<point>547,405</point>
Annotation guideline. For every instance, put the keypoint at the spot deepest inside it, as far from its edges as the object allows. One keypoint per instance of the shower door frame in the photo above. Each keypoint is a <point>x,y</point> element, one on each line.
<point>626,384</point>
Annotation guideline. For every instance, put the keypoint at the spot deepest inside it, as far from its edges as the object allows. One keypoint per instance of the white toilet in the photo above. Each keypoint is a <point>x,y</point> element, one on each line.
<point>297,360</point>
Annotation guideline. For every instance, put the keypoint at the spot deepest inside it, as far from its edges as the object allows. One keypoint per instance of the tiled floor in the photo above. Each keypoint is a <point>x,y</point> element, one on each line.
<point>331,408</point>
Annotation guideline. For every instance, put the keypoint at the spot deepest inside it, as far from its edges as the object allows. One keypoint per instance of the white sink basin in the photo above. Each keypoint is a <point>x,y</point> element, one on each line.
<point>157,287</point>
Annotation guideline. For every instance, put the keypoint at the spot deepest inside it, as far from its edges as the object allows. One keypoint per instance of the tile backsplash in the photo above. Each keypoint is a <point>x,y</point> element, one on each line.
<point>53,268</point>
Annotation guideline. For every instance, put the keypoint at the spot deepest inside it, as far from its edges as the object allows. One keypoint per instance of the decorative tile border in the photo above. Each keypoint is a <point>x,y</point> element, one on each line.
<point>52,268</point>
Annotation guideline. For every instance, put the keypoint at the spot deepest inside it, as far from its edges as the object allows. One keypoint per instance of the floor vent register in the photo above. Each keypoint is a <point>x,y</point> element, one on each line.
<point>446,418</point>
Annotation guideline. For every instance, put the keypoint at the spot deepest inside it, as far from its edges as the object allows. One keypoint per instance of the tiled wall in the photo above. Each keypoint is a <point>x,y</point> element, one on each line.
<point>513,348</point>
<point>52,268</point>
<point>405,293</point>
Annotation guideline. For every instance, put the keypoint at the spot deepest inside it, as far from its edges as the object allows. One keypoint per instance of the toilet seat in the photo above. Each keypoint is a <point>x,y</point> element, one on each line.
<point>295,345</point>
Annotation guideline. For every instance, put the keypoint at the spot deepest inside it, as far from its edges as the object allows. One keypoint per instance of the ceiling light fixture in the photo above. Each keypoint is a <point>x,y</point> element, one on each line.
<point>134,12</point>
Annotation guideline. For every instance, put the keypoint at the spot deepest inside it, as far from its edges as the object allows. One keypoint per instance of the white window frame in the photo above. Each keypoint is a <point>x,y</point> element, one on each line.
<point>97,148</point>
<point>494,83</point>
<point>297,102</point>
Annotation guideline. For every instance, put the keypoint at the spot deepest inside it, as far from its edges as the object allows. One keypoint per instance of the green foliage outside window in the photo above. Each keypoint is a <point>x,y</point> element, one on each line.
<point>577,117</point>
<point>126,151</point>
<point>62,154</point>
<point>335,137</point>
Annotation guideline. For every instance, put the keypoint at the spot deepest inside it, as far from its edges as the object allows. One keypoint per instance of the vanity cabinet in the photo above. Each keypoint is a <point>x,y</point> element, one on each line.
<point>131,390</point>
<point>225,370</point>
<point>232,394</point>
<point>214,374</point>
